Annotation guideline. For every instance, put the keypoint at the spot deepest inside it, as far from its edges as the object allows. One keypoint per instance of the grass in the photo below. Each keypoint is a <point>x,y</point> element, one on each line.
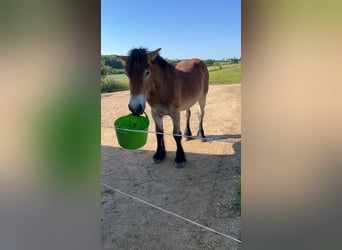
<point>218,66</point>
<point>112,83</point>
<point>226,74</point>
<point>122,78</point>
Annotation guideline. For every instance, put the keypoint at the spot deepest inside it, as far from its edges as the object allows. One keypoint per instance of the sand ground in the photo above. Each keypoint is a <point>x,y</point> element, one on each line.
<point>202,191</point>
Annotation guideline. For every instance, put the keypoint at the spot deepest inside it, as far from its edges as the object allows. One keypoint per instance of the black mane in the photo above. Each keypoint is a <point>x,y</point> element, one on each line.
<point>162,62</point>
<point>138,57</point>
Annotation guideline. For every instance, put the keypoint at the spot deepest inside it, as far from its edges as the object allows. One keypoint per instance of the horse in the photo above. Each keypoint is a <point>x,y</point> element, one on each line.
<point>168,90</point>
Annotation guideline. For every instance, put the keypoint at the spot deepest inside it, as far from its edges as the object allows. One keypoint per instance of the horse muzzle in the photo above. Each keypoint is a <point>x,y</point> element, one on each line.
<point>137,104</point>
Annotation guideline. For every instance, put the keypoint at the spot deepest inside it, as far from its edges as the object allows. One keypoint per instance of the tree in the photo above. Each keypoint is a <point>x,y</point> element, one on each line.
<point>209,62</point>
<point>234,60</point>
<point>112,61</point>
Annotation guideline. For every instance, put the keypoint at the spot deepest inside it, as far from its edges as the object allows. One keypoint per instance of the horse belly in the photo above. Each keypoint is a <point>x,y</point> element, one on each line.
<point>190,101</point>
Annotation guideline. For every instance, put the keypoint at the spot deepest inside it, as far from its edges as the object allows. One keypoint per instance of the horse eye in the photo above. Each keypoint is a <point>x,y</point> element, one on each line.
<point>147,72</point>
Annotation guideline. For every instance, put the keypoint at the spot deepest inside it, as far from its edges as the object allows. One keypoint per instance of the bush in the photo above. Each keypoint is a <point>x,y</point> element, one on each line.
<point>118,71</point>
<point>106,70</point>
<point>112,61</point>
<point>234,60</point>
<point>217,64</point>
<point>110,85</point>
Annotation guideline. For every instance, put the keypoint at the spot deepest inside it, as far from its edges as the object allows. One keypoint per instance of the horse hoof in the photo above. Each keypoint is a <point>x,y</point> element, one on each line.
<point>180,164</point>
<point>157,161</point>
<point>189,138</point>
<point>158,157</point>
<point>180,160</point>
<point>202,136</point>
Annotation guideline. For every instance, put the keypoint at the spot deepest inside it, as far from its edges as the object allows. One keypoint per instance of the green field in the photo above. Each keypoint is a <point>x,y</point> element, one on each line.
<point>223,74</point>
<point>228,74</point>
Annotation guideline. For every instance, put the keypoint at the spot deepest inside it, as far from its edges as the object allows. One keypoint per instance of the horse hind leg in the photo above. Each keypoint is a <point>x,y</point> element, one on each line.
<point>187,131</point>
<point>201,103</point>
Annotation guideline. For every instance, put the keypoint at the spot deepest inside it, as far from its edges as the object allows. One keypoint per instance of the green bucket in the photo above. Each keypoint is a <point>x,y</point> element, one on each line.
<point>129,131</point>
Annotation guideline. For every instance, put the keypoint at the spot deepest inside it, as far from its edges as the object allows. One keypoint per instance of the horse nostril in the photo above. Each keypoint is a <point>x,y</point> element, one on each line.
<point>140,109</point>
<point>137,110</point>
<point>130,108</point>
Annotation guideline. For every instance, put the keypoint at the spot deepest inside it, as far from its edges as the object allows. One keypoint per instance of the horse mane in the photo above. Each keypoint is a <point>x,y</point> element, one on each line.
<point>162,62</point>
<point>139,57</point>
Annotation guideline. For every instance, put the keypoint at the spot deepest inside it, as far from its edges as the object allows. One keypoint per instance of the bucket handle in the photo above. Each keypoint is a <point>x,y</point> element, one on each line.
<point>146,115</point>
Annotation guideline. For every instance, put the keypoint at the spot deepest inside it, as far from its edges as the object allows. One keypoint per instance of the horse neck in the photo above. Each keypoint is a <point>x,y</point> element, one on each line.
<point>160,83</point>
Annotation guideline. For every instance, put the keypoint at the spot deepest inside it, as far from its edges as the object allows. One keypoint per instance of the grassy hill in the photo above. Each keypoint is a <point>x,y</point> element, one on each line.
<point>227,74</point>
<point>219,74</point>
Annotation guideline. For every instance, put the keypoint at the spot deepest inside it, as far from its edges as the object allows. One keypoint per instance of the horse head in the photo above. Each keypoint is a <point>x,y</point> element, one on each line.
<point>138,70</point>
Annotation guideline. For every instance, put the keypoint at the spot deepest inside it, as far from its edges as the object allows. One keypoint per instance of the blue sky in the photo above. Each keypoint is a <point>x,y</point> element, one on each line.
<point>207,29</point>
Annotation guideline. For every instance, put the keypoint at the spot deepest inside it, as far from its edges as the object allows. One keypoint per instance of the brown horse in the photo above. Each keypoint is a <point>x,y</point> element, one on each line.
<point>168,90</point>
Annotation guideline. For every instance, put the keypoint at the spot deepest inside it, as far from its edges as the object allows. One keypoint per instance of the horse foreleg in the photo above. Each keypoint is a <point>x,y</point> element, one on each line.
<point>177,135</point>
<point>160,154</point>
<point>187,131</point>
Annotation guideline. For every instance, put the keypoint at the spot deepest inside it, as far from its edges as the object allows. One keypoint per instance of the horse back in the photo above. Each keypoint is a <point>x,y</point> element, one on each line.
<point>195,71</point>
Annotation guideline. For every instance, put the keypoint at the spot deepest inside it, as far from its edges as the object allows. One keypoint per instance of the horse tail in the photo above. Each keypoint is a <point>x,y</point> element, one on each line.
<point>205,80</point>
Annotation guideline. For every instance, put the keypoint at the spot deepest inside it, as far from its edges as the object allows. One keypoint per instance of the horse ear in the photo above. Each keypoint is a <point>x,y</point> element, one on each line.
<point>123,58</point>
<point>153,54</point>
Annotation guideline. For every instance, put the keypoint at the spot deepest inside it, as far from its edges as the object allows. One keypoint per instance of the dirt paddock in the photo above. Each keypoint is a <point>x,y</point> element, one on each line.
<point>202,191</point>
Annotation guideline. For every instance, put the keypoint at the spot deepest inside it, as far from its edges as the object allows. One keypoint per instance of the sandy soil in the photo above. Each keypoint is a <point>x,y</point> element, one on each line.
<point>202,191</point>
